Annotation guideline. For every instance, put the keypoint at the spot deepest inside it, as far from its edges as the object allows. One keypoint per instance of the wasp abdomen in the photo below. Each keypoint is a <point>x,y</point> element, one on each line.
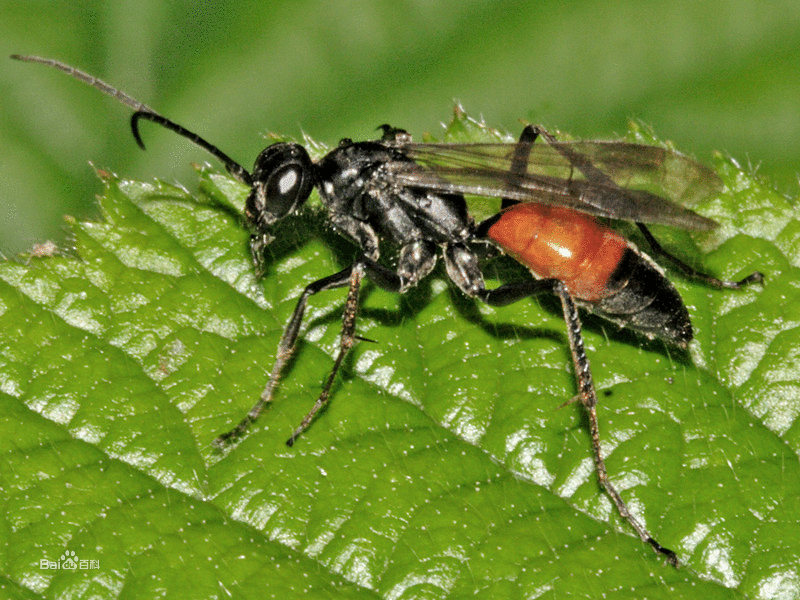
<point>643,299</point>
<point>597,265</point>
<point>558,243</point>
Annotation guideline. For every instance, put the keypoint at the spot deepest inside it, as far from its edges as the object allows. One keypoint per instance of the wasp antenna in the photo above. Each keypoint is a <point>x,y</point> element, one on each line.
<point>91,80</point>
<point>233,167</point>
<point>142,111</point>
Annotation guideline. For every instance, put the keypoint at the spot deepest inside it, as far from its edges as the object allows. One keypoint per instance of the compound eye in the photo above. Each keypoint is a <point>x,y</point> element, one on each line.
<point>283,186</point>
<point>282,181</point>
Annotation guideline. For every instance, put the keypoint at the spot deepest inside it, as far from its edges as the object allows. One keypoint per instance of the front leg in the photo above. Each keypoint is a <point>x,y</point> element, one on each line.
<point>416,260</point>
<point>258,247</point>
<point>286,348</point>
<point>347,340</point>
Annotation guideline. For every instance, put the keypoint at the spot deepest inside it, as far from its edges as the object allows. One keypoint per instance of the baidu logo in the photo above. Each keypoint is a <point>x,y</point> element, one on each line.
<point>69,562</point>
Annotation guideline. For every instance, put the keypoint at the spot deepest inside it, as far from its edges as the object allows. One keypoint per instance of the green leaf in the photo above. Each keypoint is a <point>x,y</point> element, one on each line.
<point>442,467</point>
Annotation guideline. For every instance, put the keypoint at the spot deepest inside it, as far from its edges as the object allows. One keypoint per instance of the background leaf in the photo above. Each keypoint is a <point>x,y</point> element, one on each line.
<point>442,468</point>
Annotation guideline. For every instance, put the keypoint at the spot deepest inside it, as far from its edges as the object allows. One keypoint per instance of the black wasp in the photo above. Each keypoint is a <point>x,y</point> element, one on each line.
<point>411,196</point>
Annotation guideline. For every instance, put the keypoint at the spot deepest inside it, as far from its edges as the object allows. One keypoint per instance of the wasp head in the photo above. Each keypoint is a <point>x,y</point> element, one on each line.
<point>283,177</point>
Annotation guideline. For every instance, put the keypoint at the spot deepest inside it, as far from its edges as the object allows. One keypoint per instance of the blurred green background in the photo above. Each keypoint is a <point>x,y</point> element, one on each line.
<point>716,75</point>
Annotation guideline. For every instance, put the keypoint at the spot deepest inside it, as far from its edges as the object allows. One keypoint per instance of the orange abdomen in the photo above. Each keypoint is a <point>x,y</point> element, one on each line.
<point>559,243</point>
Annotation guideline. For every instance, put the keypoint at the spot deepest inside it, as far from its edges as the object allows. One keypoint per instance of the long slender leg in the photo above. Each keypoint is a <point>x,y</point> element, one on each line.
<point>519,164</point>
<point>352,277</point>
<point>286,348</point>
<point>462,268</point>
<point>415,261</point>
<point>586,390</point>
<point>588,397</point>
<point>658,250</point>
<point>347,340</point>
<point>577,160</point>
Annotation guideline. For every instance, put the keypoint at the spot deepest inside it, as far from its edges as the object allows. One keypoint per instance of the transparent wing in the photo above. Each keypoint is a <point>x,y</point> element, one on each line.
<point>618,180</point>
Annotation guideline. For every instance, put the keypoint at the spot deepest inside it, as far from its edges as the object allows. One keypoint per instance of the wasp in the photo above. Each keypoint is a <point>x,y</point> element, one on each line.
<point>555,197</point>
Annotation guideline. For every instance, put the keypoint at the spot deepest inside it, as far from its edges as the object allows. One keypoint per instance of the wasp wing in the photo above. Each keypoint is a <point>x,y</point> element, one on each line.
<point>617,180</point>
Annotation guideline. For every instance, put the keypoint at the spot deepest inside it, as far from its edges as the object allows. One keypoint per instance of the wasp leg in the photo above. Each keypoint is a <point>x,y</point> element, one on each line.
<point>588,397</point>
<point>462,267</point>
<point>346,341</point>
<point>286,348</point>
<point>576,159</point>
<point>415,261</point>
<point>688,271</point>
<point>519,164</point>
